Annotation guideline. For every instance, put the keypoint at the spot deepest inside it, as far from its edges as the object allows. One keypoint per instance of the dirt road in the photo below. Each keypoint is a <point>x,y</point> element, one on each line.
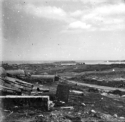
<point>95,86</point>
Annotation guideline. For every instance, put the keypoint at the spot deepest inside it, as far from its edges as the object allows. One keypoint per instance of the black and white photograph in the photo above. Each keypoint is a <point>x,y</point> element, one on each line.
<point>62,60</point>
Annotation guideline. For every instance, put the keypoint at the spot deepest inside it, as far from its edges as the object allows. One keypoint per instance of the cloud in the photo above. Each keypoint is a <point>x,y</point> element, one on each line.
<point>106,17</point>
<point>49,12</point>
<point>106,14</point>
<point>46,12</point>
<point>98,2</point>
<point>111,9</point>
<point>76,13</point>
<point>93,2</point>
<point>79,24</point>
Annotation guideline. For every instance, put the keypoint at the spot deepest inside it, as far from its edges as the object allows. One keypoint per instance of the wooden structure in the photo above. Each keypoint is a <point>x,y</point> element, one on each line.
<point>18,72</point>
<point>9,85</point>
<point>46,78</point>
<point>62,92</point>
<point>14,82</point>
<point>40,102</point>
<point>9,91</point>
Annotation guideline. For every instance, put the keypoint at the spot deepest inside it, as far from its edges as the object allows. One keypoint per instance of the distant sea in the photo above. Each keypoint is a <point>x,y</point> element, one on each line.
<point>103,61</point>
<point>79,61</point>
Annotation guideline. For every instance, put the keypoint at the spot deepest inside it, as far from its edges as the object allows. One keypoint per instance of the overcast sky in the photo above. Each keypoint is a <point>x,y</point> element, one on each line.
<point>63,29</point>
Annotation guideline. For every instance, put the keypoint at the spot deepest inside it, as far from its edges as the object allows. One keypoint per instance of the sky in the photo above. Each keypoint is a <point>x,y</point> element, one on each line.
<point>62,30</point>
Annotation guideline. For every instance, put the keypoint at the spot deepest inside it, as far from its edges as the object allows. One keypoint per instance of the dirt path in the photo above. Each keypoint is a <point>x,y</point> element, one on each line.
<point>95,86</point>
